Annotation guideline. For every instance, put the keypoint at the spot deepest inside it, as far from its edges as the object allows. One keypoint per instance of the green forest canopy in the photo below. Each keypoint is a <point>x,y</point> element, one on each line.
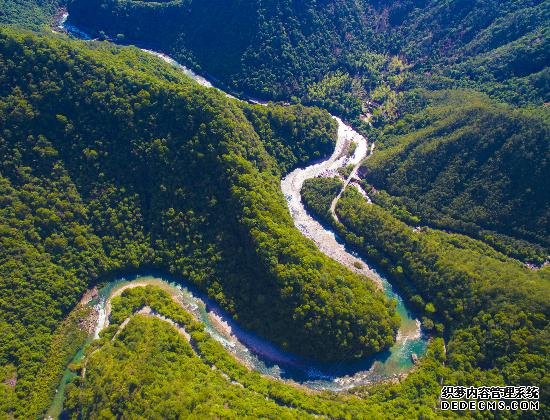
<point>472,165</point>
<point>71,213</point>
<point>150,369</point>
<point>113,162</point>
<point>491,309</point>
<point>351,57</point>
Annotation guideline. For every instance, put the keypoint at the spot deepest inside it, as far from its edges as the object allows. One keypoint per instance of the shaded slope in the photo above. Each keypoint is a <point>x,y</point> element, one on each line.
<point>279,48</point>
<point>269,48</point>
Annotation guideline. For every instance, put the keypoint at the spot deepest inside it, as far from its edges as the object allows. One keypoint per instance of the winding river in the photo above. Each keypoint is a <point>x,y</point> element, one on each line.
<point>254,351</point>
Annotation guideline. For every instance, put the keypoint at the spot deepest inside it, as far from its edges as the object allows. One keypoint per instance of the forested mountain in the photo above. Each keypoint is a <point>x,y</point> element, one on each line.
<point>28,13</point>
<point>112,162</point>
<point>469,164</point>
<point>352,56</point>
<point>500,47</point>
<point>491,309</point>
<point>433,32</point>
<point>273,49</point>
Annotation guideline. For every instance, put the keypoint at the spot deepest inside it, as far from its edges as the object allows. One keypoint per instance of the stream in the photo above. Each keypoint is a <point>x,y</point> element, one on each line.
<point>254,351</point>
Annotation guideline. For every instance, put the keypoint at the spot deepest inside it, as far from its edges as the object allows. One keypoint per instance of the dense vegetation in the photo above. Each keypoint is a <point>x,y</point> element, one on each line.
<point>149,369</point>
<point>491,309</point>
<point>352,57</point>
<point>28,13</point>
<point>266,48</point>
<point>321,191</point>
<point>112,161</point>
<point>148,361</point>
<point>471,165</point>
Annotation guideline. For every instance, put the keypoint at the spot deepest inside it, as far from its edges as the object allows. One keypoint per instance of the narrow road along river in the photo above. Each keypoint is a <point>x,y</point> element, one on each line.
<point>311,228</point>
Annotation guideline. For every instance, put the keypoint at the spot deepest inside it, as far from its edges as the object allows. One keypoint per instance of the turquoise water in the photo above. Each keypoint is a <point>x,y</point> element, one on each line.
<point>265,357</point>
<point>57,404</point>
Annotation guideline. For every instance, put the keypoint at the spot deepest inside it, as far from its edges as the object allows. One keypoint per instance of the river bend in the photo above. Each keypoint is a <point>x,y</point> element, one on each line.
<point>254,351</point>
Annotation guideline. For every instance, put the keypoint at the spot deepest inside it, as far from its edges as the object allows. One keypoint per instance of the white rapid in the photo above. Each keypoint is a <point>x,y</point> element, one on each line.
<point>291,186</point>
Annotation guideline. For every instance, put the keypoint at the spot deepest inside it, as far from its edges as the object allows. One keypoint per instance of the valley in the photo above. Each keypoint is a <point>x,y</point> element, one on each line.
<point>272,209</point>
<point>410,340</point>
